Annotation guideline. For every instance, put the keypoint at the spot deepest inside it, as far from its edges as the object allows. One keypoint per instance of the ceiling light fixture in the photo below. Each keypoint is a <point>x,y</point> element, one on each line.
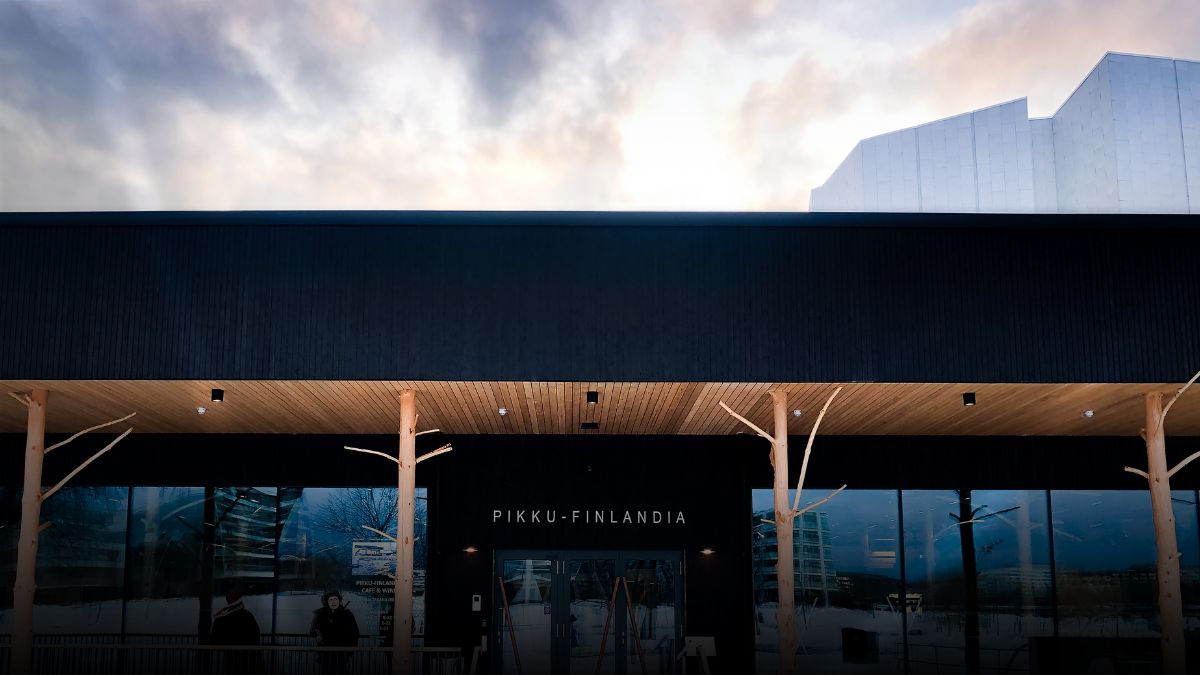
<point>969,399</point>
<point>503,411</point>
<point>200,410</point>
<point>796,412</point>
<point>1089,413</point>
<point>706,551</point>
<point>218,395</point>
<point>593,397</point>
<point>589,426</point>
<point>470,549</point>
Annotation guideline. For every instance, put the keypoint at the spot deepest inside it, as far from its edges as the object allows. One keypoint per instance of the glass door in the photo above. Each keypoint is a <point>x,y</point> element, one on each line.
<point>525,585</point>
<point>583,612</point>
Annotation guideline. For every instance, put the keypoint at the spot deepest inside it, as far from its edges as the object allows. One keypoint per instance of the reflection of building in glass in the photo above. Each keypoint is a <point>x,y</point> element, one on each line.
<point>1126,141</point>
<point>82,556</point>
<point>1015,588</point>
<point>246,527</point>
<point>813,551</point>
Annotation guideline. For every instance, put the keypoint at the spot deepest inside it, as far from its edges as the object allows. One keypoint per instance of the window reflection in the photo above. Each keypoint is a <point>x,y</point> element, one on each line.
<point>81,561</point>
<point>324,546</point>
<point>1106,566</point>
<point>165,537</point>
<point>847,582</point>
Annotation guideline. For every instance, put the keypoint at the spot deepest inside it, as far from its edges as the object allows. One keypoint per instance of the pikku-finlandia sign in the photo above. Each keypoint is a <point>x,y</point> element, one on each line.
<point>587,517</point>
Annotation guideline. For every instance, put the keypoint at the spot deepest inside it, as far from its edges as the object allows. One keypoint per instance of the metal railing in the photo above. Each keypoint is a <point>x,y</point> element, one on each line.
<point>162,654</point>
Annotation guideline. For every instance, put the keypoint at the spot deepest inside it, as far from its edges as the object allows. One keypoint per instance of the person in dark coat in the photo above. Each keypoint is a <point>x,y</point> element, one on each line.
<point>335,626</point>
<point>235,625</point>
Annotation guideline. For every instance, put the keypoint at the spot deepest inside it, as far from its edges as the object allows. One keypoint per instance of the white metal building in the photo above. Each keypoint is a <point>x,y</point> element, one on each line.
<point>1127,140</point>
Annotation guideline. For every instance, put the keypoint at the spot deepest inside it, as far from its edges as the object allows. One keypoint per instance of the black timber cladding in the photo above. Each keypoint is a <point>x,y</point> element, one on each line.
<point>599,296</point>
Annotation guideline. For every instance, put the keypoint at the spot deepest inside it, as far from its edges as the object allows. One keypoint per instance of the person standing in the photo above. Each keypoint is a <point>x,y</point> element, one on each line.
<point>334,626</point>
<point>234,625</point>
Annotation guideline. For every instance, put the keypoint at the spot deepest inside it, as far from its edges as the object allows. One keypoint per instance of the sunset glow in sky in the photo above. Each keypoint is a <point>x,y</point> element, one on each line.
<point>513,104</point>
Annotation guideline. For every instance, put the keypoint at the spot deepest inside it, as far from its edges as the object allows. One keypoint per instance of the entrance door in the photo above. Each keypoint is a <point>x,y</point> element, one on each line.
<point>565,612</point>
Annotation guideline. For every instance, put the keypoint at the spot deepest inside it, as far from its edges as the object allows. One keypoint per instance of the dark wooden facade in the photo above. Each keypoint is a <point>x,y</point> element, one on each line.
<point>590,296</point>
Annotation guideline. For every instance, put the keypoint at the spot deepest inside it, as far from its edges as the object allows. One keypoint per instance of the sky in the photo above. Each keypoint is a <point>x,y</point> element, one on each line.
<point>694,105</point>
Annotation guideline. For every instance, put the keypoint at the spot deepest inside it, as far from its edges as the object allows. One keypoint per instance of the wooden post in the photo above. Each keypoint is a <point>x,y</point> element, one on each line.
<point>405,527</point>
<point>21,661</point>
<point>1170,604</point>
<point>785,567</point>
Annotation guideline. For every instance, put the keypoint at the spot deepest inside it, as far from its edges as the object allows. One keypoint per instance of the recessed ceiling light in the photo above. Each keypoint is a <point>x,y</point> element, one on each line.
<point>593,397</point>
<point>796,412</point>
<point>200,410</point>
<point>218,395</point>
<point>969,399</point>
<point>1089,413</point>
<point>586,426</point>
<point>503,411</point>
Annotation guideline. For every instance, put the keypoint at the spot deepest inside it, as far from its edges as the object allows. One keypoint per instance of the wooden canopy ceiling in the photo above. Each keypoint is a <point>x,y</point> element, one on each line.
<point>362,407</point>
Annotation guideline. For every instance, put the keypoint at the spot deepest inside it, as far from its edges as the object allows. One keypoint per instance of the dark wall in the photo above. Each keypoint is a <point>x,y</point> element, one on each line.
<point>609,297</point>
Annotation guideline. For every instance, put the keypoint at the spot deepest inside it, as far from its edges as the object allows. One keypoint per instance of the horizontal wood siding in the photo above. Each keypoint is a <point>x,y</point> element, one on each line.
<point>602,297</point>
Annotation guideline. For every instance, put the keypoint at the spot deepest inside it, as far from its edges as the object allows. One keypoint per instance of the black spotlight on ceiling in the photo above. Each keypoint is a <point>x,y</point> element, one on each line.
<point>593,397</point>
<point>969,399</point>
<point>218,395</point>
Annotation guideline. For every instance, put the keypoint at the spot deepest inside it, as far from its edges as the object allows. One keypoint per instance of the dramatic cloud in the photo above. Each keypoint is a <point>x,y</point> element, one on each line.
<point>511,104</point>
<point>1006,49</point>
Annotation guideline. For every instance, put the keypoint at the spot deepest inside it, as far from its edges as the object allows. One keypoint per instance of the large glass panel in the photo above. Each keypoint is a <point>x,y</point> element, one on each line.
<point>591,613</point>
<point>934,568</point>
<point>10,521</point>
<point>243,551</point>
<point>847,583</point>
<point>1105,555</point>
<point>165,539</point>
<point>1104,549</point>
<point>1187,528</point>
<point>526,629</point>
<point>81,561</point>
<point>325,546</point>
<point>650,585</point>
<point>1012,560</point>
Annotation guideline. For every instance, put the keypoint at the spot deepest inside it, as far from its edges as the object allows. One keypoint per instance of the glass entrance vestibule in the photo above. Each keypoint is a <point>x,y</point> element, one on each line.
<point>613,612</point>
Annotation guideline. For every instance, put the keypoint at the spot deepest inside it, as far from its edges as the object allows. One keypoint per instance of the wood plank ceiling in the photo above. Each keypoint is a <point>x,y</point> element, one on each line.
<point>362,407</point>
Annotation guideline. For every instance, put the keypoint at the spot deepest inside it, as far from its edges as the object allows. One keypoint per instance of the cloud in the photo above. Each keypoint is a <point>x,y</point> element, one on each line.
<point>510,104</point>
<point>508,43</point>
<point>1005,49</point>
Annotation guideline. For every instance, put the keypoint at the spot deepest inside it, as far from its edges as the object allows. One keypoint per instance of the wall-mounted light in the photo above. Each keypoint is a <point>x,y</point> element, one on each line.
<point>969,399</point>
<point>706,551</point>
<point>470,549</point>
<point>218,395</point>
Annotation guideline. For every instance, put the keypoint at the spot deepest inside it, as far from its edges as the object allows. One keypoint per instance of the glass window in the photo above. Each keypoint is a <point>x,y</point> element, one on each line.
<point>10,521</point>
<point>847,582</point>
<point>1105,558</point>
<point>81,561</point>
<point>324,546</point>
<point>933,551</point>
<point>165,539</point>
<point>1012,562</point>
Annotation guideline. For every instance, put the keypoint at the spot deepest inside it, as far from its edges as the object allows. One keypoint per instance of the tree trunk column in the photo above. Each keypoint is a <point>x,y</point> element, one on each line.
<point>405,516</point>
<point>27,541</point>
<point>785,564</point>
<point>1170,604</point>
